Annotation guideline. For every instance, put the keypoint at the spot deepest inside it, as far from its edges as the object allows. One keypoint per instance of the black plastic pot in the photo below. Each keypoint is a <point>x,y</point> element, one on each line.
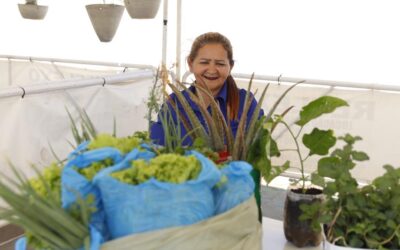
<point>297,231</point>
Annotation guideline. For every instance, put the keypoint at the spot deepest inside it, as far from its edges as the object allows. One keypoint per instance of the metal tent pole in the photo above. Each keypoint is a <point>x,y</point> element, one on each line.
<point>95,63</point>
<point>178,40</point>
<point>165,29</point>
<point>71,84</point>
<point>331,83</point>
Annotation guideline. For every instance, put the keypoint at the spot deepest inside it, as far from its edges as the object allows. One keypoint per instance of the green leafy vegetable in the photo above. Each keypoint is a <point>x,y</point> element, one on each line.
<point>172,168</point>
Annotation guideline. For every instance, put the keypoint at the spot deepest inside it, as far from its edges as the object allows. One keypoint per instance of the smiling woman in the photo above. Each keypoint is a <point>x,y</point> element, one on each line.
<point>211,62</point>
<point>211,67</point>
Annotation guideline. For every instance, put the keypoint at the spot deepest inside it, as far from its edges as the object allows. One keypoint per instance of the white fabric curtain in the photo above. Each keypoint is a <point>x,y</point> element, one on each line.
<point>30,124</point>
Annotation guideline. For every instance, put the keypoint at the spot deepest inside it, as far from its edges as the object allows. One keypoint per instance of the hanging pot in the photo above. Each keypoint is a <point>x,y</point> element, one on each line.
<point>142,9</point>
<point>105,19</point>
<point>32,11</point>
<point>297,231</point>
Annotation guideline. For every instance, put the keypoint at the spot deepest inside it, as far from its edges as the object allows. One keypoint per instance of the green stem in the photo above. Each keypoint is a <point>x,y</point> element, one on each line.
<point>298,133</point>
<point>339,238</point>
<point>330,227</point>
<point>303,180</point>
<point>287,149</point>
<point>384,241</point>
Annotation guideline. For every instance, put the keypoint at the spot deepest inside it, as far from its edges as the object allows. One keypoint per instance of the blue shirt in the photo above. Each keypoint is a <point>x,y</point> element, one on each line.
<point>157,131</point>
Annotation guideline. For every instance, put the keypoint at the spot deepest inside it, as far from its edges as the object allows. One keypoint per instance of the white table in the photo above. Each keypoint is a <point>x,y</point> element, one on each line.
<point>274,238</point>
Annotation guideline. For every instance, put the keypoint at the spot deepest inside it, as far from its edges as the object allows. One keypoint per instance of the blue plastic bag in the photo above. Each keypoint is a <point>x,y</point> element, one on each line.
<point>238,188</point>
<point>81,148</point>
<point>95,241</point>
<point>74,185</point>
<point>155,205</point>
<point>21,244</point>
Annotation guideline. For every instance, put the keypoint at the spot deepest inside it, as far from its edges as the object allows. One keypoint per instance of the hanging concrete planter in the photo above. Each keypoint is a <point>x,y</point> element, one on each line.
<point>142,9</point>
<point>31,10</point>
<point>105,19</point>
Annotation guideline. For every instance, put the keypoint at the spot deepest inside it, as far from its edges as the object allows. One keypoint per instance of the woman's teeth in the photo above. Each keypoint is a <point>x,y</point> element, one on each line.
<point>211,77</point>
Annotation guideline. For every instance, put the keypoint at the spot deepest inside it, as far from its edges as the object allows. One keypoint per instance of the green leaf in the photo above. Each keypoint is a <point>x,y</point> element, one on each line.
<point>254,126</point>
<point>330,188</point>
<point>213,121</point>
<point>329,167</point>
<point>194,120</point>
<point>277,170</point>
<point>239,145</point>
<point>258,155</point>
<point>274,149</point>
<point>318,107</point>
<point>370,227</point>
<point>391,224</point>
<point>359,156</point>
<point>319,141</point>
<point>317,180</point>
<point>356,241</point>
<point>349,139</point>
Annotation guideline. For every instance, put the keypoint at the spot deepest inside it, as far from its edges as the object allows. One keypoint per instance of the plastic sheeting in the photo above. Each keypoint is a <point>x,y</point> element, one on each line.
<point>372,114</point>
<point>30,124</point>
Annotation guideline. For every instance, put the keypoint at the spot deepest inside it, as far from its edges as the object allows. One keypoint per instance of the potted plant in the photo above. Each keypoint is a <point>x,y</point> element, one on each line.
<point>142,9</point>
<point>31,10</point>
<point>318,142</point>
<point>105,19</point>
<point>356,216</point>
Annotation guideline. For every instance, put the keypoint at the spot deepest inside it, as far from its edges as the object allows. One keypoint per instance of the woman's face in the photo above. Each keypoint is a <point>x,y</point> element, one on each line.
<point>211,66</point>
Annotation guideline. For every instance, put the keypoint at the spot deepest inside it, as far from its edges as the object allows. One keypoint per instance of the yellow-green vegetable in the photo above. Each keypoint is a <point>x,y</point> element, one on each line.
<point>172,168</point>
<point>52,178</point>
<point>123,144</point>
<point>90,171</point>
